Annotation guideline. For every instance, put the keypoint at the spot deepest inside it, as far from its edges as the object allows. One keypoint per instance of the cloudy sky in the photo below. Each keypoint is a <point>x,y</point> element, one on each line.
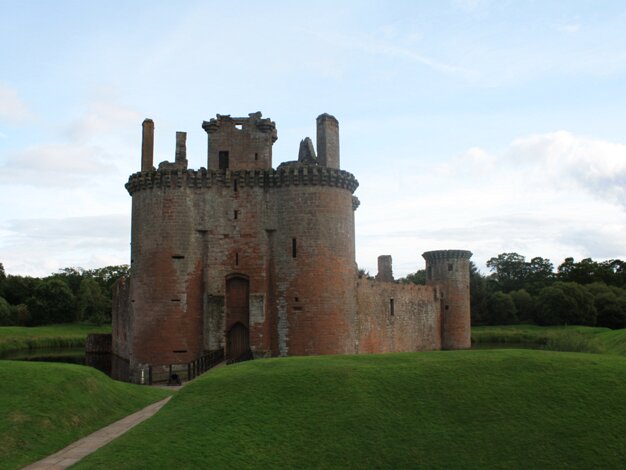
<point>493,126</point>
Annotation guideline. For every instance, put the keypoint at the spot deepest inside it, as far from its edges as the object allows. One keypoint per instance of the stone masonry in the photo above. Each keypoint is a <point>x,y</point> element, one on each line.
<point>248,259</point>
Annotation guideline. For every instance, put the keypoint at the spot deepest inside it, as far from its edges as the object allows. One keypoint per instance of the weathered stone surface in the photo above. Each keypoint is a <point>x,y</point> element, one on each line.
<point>306,153</point>
<point>385,273</point>
<point>240,252</point>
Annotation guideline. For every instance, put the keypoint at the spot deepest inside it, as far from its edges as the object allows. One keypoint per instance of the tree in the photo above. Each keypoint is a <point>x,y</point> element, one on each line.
<point>539,274</point>
<point>17,289</point>
<point>108,275</point>
<point>610,303</point>
<point>418,277</point>
<point>3,277</point>
<point>93,304</point>
<point>524,305</point>
<point>6,313</point>
<point>52,302</point>
<point>565,303</point>
<point>479,293</point>
<point>509,270</point>
<point>71,276</point>
<point>502,309</point>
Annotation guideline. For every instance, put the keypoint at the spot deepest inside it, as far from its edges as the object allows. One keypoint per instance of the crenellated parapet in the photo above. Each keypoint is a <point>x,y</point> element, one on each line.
<point>297,175</point>
<point>442,255</point>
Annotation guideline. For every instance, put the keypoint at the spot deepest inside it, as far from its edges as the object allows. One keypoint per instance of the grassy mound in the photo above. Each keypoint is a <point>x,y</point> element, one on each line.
<point>47,406</point>
<point>555,338</point>
<point>51,336</point>
<point>464,409</point>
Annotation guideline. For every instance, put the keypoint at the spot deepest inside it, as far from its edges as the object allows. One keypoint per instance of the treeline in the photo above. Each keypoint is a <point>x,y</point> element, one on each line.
<point>586,292</point>
<point>72,294</point>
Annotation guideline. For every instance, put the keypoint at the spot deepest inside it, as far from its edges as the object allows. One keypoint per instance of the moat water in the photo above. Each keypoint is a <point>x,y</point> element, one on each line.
<point>108,363</point>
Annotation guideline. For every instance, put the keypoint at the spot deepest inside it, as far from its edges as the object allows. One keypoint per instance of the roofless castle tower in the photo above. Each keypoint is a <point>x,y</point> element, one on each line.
<point>257,261</point>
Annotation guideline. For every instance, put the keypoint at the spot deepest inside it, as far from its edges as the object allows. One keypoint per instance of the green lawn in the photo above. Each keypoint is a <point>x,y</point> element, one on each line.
<point>458,409</point>
<point>66,335</point>
<point>46,406</point>
<point>559,338</point>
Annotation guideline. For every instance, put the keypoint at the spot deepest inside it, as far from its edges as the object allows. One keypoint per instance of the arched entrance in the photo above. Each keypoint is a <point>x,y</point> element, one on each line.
<point>237,318</point>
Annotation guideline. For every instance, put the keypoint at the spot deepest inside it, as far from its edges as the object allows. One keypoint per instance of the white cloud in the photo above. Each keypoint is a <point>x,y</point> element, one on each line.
<point>55,164</point>
<point>12,109</point>
<point>40,247</point>
<point>552,195</point>
<point>103,117</point>
<point>564,159</point>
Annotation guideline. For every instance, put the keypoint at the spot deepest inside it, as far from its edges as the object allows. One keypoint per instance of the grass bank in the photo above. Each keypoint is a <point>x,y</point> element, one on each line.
<point>47,406</point>
<point>556,338</point>
<point>14,338</point>
<point>457,409</point>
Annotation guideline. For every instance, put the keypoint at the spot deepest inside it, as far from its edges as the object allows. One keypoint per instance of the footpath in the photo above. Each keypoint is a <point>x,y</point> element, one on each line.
<point>79,449</point>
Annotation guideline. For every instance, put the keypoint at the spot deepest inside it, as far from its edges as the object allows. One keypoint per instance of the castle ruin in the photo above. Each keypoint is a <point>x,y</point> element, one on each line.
<point>248,259</point>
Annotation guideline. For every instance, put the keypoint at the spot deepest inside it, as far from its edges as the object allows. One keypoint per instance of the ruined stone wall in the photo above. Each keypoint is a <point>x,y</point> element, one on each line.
<point>397,317</point>
<point>248,141</point>
<point>121,318</point>
<point>286,238</point>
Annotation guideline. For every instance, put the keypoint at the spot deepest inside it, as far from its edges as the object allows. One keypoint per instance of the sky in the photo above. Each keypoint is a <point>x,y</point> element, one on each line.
<point>490,126</point>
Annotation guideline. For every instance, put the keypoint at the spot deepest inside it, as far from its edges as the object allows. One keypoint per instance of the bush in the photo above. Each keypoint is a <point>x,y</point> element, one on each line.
<point>52,302</point>
<point>93,305</point>
<point>610,303</point>
<point>525,305</point>
<point>565,303</point>
<point>501,309</point>
<point>6,313</point>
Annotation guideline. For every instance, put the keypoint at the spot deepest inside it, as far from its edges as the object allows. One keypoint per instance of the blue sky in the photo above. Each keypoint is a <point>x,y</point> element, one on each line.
<point>480,125</point>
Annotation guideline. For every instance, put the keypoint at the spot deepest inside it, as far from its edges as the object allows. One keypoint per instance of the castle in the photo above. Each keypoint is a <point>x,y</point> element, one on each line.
<point>257,261</point>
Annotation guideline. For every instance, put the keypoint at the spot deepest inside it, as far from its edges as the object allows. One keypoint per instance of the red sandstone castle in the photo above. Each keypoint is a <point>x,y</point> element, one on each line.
<point>246,259</point>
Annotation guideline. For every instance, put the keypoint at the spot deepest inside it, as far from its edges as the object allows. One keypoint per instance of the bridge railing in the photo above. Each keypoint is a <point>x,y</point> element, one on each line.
<point>184,372</point>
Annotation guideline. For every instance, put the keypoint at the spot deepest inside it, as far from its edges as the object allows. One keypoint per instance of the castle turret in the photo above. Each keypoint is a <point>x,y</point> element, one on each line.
<point>328,141</point>
<point>449,271</point>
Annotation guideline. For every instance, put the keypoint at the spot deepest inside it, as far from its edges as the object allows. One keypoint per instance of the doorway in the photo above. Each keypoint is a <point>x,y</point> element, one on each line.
<point>237,318</point>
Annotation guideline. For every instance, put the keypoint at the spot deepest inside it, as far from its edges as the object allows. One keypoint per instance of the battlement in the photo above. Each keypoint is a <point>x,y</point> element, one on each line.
<point>298,175</point>
<point>442,255</point>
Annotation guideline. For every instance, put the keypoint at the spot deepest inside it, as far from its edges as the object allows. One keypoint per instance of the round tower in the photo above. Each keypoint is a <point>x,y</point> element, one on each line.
<point>314,260</point>
<point>448,270</point>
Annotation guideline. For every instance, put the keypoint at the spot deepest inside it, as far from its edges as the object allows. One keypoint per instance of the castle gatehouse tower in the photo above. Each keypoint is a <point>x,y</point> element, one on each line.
<point>249,261</point>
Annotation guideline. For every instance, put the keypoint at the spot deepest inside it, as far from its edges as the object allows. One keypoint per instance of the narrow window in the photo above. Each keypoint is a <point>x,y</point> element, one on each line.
<point>178,257</point>
<point>293,247</point>
<point>235,214</point>
<point>450,267</point>
<point>235,185</point>
<point>296,299</point>
<point>256,156</point>
<point>430,273</point>
<point>180,351</point>
<point>175,300</point>
<point>236,259</point>
<point>391,307</point>
<point>223,159</point>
